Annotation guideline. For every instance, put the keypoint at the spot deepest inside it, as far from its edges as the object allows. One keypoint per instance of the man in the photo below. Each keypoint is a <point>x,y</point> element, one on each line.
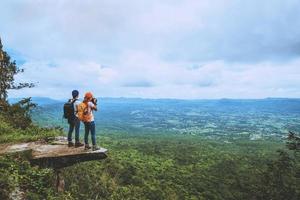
<point>73,121</point>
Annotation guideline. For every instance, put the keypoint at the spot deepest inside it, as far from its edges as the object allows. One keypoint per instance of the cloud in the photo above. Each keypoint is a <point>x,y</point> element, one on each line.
<point>158,79</point>
<point>246,31</point>
<point>141,83</point>
<point>188,30</point>
<point>180,49</point>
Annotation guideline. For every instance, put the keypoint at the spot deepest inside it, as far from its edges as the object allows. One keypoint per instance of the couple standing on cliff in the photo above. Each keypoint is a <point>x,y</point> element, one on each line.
<point>76,112</point>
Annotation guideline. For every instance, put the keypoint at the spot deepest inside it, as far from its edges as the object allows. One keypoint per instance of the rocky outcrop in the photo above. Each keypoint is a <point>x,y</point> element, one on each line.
<point>55,154</point>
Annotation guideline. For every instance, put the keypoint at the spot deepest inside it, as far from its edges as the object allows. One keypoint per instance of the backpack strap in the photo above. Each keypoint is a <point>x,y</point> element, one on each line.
<point>74,100</point>
<point>75,109</point>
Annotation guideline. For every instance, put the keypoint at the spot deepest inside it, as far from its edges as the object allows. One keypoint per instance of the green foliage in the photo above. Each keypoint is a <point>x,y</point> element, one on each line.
<point>8,69</point>
<point>34,183</point>
<point>16,124</point>
<point>18,114</point>
<point>148,161</point>
<point>280,178</point>
<point>293,142</point>
<point>8,133</point>
<point>185,167</point>
<point>164,166</point>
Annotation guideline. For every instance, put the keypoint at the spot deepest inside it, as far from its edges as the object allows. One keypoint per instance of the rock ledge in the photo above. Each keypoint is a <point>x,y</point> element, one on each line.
<point>54,155</point>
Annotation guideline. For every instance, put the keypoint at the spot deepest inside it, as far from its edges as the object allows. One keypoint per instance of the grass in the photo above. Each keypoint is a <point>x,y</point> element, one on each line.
<point>9,134</point>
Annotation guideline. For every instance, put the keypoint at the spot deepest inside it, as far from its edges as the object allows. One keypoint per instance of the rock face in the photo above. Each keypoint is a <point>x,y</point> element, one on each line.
<point>55,155</point>
<point>59,156</point>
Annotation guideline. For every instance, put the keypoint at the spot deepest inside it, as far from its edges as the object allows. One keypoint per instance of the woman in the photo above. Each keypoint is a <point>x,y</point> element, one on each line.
<point>89,122</point>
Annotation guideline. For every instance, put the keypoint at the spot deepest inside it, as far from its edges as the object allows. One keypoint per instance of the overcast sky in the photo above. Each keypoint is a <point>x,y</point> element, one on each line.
<point>155,49</point>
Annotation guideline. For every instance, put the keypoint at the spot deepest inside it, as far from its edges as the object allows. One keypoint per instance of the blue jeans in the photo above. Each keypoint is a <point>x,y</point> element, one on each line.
<point>74,124</point>
<point>90,127</point>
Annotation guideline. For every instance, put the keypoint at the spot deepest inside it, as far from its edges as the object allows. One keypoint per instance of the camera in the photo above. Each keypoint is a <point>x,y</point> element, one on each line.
<point>94,100</point>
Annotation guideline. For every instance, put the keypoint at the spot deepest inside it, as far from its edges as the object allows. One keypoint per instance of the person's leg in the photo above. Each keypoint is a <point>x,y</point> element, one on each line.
<point>87,126</point>
<point>86,132</point>
<point>93,133</point>
<point>71,128</point>
<point>77,128</point>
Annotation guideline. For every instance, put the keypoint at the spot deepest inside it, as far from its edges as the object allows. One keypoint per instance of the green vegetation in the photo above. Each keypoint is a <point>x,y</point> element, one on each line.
<point>185,167</point>
<point>16,124</point>
<point>16,173</point>
<point>166,167</point>
<point>18,176</point>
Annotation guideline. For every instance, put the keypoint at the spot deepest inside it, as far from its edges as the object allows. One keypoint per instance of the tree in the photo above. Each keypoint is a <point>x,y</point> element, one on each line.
<point>293,142</point>
<point>18,113</point>
<point>8,69</point>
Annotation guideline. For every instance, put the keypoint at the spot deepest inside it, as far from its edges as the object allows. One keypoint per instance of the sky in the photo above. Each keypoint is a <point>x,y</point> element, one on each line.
<point>185,49</point>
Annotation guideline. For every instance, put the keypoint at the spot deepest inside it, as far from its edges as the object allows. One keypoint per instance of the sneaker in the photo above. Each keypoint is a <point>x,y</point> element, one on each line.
<point>78,144</point>
<point>87,147</point>
<point>95,148</point>
<point>70,144</point>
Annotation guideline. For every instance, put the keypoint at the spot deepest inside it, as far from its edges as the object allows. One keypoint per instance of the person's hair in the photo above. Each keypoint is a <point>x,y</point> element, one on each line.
<point>88,96</point>
<point>75,93</point>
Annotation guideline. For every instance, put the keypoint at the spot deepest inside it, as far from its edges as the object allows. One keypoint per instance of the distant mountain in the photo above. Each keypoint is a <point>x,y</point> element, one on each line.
<point>41,101</point>
<point>38,100</point>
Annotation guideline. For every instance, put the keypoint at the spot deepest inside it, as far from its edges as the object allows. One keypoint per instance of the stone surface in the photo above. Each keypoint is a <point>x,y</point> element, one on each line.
<point>59,156</point>
<point>55,154</point>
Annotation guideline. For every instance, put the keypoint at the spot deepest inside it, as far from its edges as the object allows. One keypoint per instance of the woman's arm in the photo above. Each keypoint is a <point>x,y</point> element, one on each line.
<point>93,106</point>
<point>94,101</point>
